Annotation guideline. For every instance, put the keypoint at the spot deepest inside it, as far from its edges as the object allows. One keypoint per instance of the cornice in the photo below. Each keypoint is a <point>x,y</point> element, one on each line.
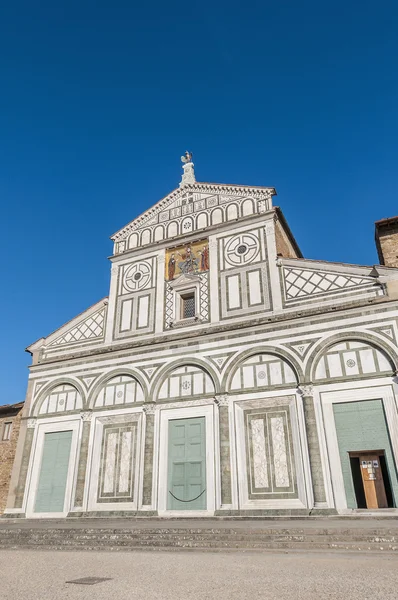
<point>259,193</point>
<point>207,332</point>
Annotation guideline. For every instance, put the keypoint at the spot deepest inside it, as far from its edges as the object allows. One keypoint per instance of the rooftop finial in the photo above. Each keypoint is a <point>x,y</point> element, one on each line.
<point>189,174</point>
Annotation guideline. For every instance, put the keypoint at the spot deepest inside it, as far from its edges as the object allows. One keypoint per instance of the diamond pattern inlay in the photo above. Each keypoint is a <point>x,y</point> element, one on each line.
<point>300,282</point>
<point>91,328</point>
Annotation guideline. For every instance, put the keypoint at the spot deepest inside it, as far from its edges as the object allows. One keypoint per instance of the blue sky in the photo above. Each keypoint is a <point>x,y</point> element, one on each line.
<point>99,99</point>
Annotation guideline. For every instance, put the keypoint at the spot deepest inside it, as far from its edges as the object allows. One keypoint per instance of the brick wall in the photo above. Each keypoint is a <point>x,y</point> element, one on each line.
<point>7,452</point>
<point>283,246</point>
<point>387,241</point>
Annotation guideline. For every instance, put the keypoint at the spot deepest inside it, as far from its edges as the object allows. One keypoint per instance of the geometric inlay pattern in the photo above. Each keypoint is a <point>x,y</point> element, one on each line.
<point>352,359</point>
<point>90,328</point>
<point>241,249</point>
<point>204,296</point>
<point>300,282</point>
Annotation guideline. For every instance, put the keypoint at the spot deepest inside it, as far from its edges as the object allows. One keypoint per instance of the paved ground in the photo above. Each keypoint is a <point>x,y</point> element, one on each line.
<point>38,575</point>
<point>275,523</point>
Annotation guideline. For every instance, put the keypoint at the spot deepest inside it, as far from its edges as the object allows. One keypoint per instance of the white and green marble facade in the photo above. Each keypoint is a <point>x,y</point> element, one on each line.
<point>275,344</point>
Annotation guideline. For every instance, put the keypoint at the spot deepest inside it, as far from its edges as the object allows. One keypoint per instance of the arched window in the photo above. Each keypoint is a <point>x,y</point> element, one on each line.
<point>122,389</point>
<point>352,359</point>
<point>262,371</point>
<point>64,397</point>
<point>186,381</point>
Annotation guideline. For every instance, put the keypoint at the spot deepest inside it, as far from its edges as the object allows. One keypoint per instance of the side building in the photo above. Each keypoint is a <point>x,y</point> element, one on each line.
<point>10,421</point>
<point>225,374</point>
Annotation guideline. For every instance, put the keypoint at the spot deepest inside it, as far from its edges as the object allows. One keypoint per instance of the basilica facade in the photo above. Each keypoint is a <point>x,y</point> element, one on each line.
<point>225,374</point>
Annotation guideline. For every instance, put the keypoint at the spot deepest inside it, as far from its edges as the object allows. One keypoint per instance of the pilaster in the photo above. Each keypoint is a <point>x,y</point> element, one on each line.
<point>307,395</point>
<point>86,417</point>
<point>222,401</point>
<point>147,492</point>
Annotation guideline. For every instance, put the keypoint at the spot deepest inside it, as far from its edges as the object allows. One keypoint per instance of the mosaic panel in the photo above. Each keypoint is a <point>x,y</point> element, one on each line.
<point>189,259</point>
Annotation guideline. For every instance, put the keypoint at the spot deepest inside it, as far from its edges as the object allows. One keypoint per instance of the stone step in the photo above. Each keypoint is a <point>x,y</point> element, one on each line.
<point>209,546</point>
<point>199,531</point>
<point>35,536</point>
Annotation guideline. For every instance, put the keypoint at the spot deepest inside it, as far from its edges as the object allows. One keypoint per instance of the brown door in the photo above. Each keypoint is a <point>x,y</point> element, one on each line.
<point>372,478</point>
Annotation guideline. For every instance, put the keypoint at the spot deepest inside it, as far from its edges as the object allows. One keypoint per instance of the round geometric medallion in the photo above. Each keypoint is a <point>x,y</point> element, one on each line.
<point>138,276</point>
<point>351,363</point>
<point>242,249</point>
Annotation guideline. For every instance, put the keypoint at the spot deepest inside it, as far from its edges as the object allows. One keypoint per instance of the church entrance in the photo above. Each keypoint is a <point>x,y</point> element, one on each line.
<point>370,478</point>
<point>187,464</point>
<point>50,495</point>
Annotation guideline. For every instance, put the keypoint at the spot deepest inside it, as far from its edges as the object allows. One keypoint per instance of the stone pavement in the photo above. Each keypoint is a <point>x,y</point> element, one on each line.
<point>42,575</point>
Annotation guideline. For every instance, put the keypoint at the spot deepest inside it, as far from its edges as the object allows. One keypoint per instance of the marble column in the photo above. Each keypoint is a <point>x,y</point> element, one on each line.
<point>318,485</point>
<point>81,472</point>
<point>222,401</point>
<point>27,449</point>
<point>149,410</point>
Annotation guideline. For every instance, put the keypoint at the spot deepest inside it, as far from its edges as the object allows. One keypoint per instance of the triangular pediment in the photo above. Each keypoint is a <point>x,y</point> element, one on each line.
<point>193,198</point>
<point>306,279</point>
<point>86,327</point>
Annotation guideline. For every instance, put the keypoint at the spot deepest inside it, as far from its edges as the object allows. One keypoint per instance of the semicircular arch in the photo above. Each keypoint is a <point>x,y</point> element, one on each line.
<point>111,377</point>
<point>62,400</point>
<point>367,339</point>
<point>272,373</point>
<point>210,384</point>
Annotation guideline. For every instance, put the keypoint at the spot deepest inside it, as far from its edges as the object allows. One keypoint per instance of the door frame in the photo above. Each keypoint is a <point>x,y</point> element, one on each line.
<point>167,415</point>
<point>42,428</point>
<point>354,393</point>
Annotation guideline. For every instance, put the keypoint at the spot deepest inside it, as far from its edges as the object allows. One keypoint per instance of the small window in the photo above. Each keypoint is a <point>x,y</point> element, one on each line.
<point>7,430</point>
<point>188,308</point>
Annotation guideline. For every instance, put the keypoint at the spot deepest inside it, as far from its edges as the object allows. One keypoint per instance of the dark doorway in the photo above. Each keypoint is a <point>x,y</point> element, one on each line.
<point>386,478</point>
<point>357,481</point>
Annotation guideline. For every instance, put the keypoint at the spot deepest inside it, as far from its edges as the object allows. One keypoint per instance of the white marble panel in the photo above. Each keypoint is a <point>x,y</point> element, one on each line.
<point>280,459</point>
<point>248,376</point>
<point>275,369</point>
<point>261,375</point>
<point>260,468</point>
<point>143,311</point>
<point>174,387</point>
<point>52,403</point>
<point>130,392</point>
<point>334,365</point>
<point>254,287</point>
<point>235,384</point>
<point>163,391</point>
<point>233,291</point>
<point>109,395</point>
<point>321,369</point>
<point>367,361</point>
<point>125,461</point>
<point>350,363</point>
<point>383,362</point>
<point>127,307</point>
<point>198,383</point>
<point>289,374</point>
<point>110,463</point>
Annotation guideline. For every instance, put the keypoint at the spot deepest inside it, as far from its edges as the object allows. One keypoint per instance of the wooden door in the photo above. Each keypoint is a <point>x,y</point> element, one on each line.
<point>373,482</point>
<point>187,465</point>
<point>50,496</point>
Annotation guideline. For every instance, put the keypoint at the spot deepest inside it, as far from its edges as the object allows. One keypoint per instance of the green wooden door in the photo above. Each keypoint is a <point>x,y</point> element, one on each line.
<point>187,464</point>
<point>50,496</point>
